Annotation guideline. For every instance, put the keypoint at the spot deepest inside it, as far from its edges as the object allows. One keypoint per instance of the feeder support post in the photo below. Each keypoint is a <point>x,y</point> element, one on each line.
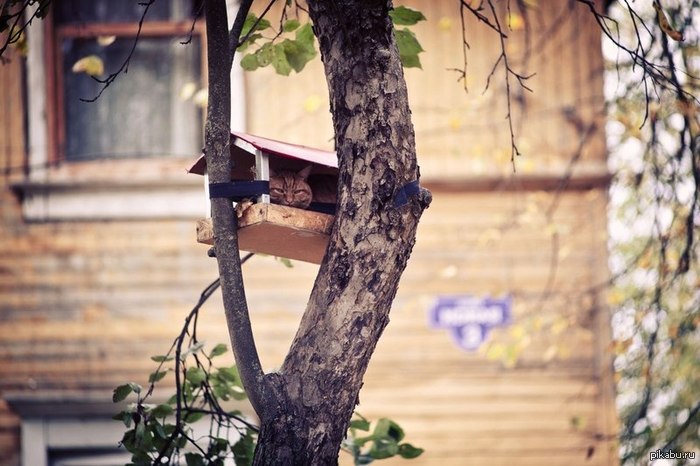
<point>262,172</point>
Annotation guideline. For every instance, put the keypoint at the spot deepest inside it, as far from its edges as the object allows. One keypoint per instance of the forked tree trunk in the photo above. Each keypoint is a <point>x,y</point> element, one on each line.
<point>317,387</point>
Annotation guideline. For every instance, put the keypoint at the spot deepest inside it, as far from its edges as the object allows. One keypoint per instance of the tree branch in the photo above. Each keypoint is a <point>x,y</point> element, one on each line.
<point>237,28</point>
<point>225,222</point>
<point>106,82</point>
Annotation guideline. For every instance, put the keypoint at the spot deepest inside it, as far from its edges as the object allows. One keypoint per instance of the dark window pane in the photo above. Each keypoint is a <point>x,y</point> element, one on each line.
<point>141,113</point>
<point>116,11</point>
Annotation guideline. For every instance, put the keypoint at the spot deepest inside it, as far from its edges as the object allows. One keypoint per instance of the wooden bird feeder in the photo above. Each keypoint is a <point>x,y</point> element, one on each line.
<point>278,230</point>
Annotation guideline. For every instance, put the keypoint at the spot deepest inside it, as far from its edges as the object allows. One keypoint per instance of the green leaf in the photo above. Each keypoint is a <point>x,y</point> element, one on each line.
<point>230,374</point>
<point>219,446</point>
<point>161,358</point>
<point>405,16</point>
<point>191,418</point>
<point>143,438</point>
<point>129,440</point>
<point>191,350</point>
<point>388,428</point>
<point>194,459</point>
<point>156,376</point>
<point>360,424</point>
<point>238,393</point>
<point>125,417</point>
<point>243,449</point>
<point>218,350</point>
<point>250,62</point>
<point>196,376</point>
<point>384,448</point>
<point>250,21</point>
<point>298,55</point>
<point>222,391</point>
<point>409,48</point>
<point>408,451</point>
<point>407,42</point>
<point>249,41</point>
<point>121,392</point>
<point>160,431</point>
<point>265,54</point>
<point>410,61</point>
<point>162,410</point>
<point>279,60</point>
<point>305,37</point>
<point>291,25</point>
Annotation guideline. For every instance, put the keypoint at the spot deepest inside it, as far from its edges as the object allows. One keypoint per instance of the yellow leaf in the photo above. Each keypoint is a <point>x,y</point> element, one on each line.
<point>615,297</point>
<point>559,326</point>
<point>527,165</point>
<point>455,123</point>
<point>445,23</point>
<point>187,90</point>
<point>91,65</point>
<point>516,21</point>
<point>517,332</point>
<point>564,352</point>
<point>537,323</point>
<point>201,97</point>
<point>312,103</point>
<point>104,41</point>
<point>496,351</point>
<point>552,229</point>
<point>20,45</point>
<point>550,353</point>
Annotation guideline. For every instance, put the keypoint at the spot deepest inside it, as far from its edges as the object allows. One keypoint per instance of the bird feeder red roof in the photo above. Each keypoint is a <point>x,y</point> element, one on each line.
<point>250,143</point>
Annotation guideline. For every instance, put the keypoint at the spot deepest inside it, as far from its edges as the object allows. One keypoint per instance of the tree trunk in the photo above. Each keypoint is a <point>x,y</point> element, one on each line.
<point>317,387</point>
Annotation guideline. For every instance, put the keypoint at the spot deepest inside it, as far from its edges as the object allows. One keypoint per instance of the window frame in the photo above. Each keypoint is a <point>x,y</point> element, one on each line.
<point>129,188</point>
<point>55,34</point>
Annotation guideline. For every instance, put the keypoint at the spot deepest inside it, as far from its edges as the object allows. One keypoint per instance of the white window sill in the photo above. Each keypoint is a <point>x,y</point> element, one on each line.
<point>114,190</point>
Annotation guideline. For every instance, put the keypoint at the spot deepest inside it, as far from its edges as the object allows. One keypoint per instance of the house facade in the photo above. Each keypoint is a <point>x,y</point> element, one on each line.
<point>497,350</point>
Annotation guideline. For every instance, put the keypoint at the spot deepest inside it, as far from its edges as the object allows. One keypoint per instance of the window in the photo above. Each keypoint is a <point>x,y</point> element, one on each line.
<point>123,156</point>
<point>143,112</point>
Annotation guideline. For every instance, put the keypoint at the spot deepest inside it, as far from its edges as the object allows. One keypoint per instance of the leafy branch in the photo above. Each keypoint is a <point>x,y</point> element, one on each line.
<point>161,433</point>
<point>13,23</point>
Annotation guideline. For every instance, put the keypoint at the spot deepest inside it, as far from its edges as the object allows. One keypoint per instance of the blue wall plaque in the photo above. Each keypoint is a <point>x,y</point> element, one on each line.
<point>469,318</point>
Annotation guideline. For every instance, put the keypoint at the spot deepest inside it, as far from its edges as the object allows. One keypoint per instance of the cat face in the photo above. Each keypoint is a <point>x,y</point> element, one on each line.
<point>290,188</point>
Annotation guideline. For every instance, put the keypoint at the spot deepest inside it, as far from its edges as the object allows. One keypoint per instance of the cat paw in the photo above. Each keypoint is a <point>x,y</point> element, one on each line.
<point>242,207</point>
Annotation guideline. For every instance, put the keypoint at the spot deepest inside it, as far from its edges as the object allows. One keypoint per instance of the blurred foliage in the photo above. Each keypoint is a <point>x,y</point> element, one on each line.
<point>654,134</point>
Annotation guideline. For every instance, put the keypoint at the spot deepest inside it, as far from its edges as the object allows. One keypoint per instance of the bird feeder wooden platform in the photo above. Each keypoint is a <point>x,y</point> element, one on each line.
<point>278,230</point>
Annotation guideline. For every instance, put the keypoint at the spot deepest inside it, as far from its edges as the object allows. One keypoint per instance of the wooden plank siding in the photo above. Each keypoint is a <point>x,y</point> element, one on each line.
<point>11,162</point>
<point>83,304</point>
<point>464,135</point>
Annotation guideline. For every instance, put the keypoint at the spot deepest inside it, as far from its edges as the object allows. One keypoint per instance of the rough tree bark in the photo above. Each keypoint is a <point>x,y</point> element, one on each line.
<point>305,408</point>
<point>317,387</point>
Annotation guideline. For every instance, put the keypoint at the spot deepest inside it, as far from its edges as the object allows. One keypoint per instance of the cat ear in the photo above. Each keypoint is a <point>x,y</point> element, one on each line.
<point>272,172</point>
<point>305,172</point>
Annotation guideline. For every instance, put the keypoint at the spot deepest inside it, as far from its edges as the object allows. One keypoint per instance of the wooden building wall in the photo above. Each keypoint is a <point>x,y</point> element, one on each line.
<point>84,304</point>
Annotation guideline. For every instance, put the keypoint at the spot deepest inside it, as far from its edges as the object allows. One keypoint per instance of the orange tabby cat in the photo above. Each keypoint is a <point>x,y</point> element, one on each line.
<point>291,188</point>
